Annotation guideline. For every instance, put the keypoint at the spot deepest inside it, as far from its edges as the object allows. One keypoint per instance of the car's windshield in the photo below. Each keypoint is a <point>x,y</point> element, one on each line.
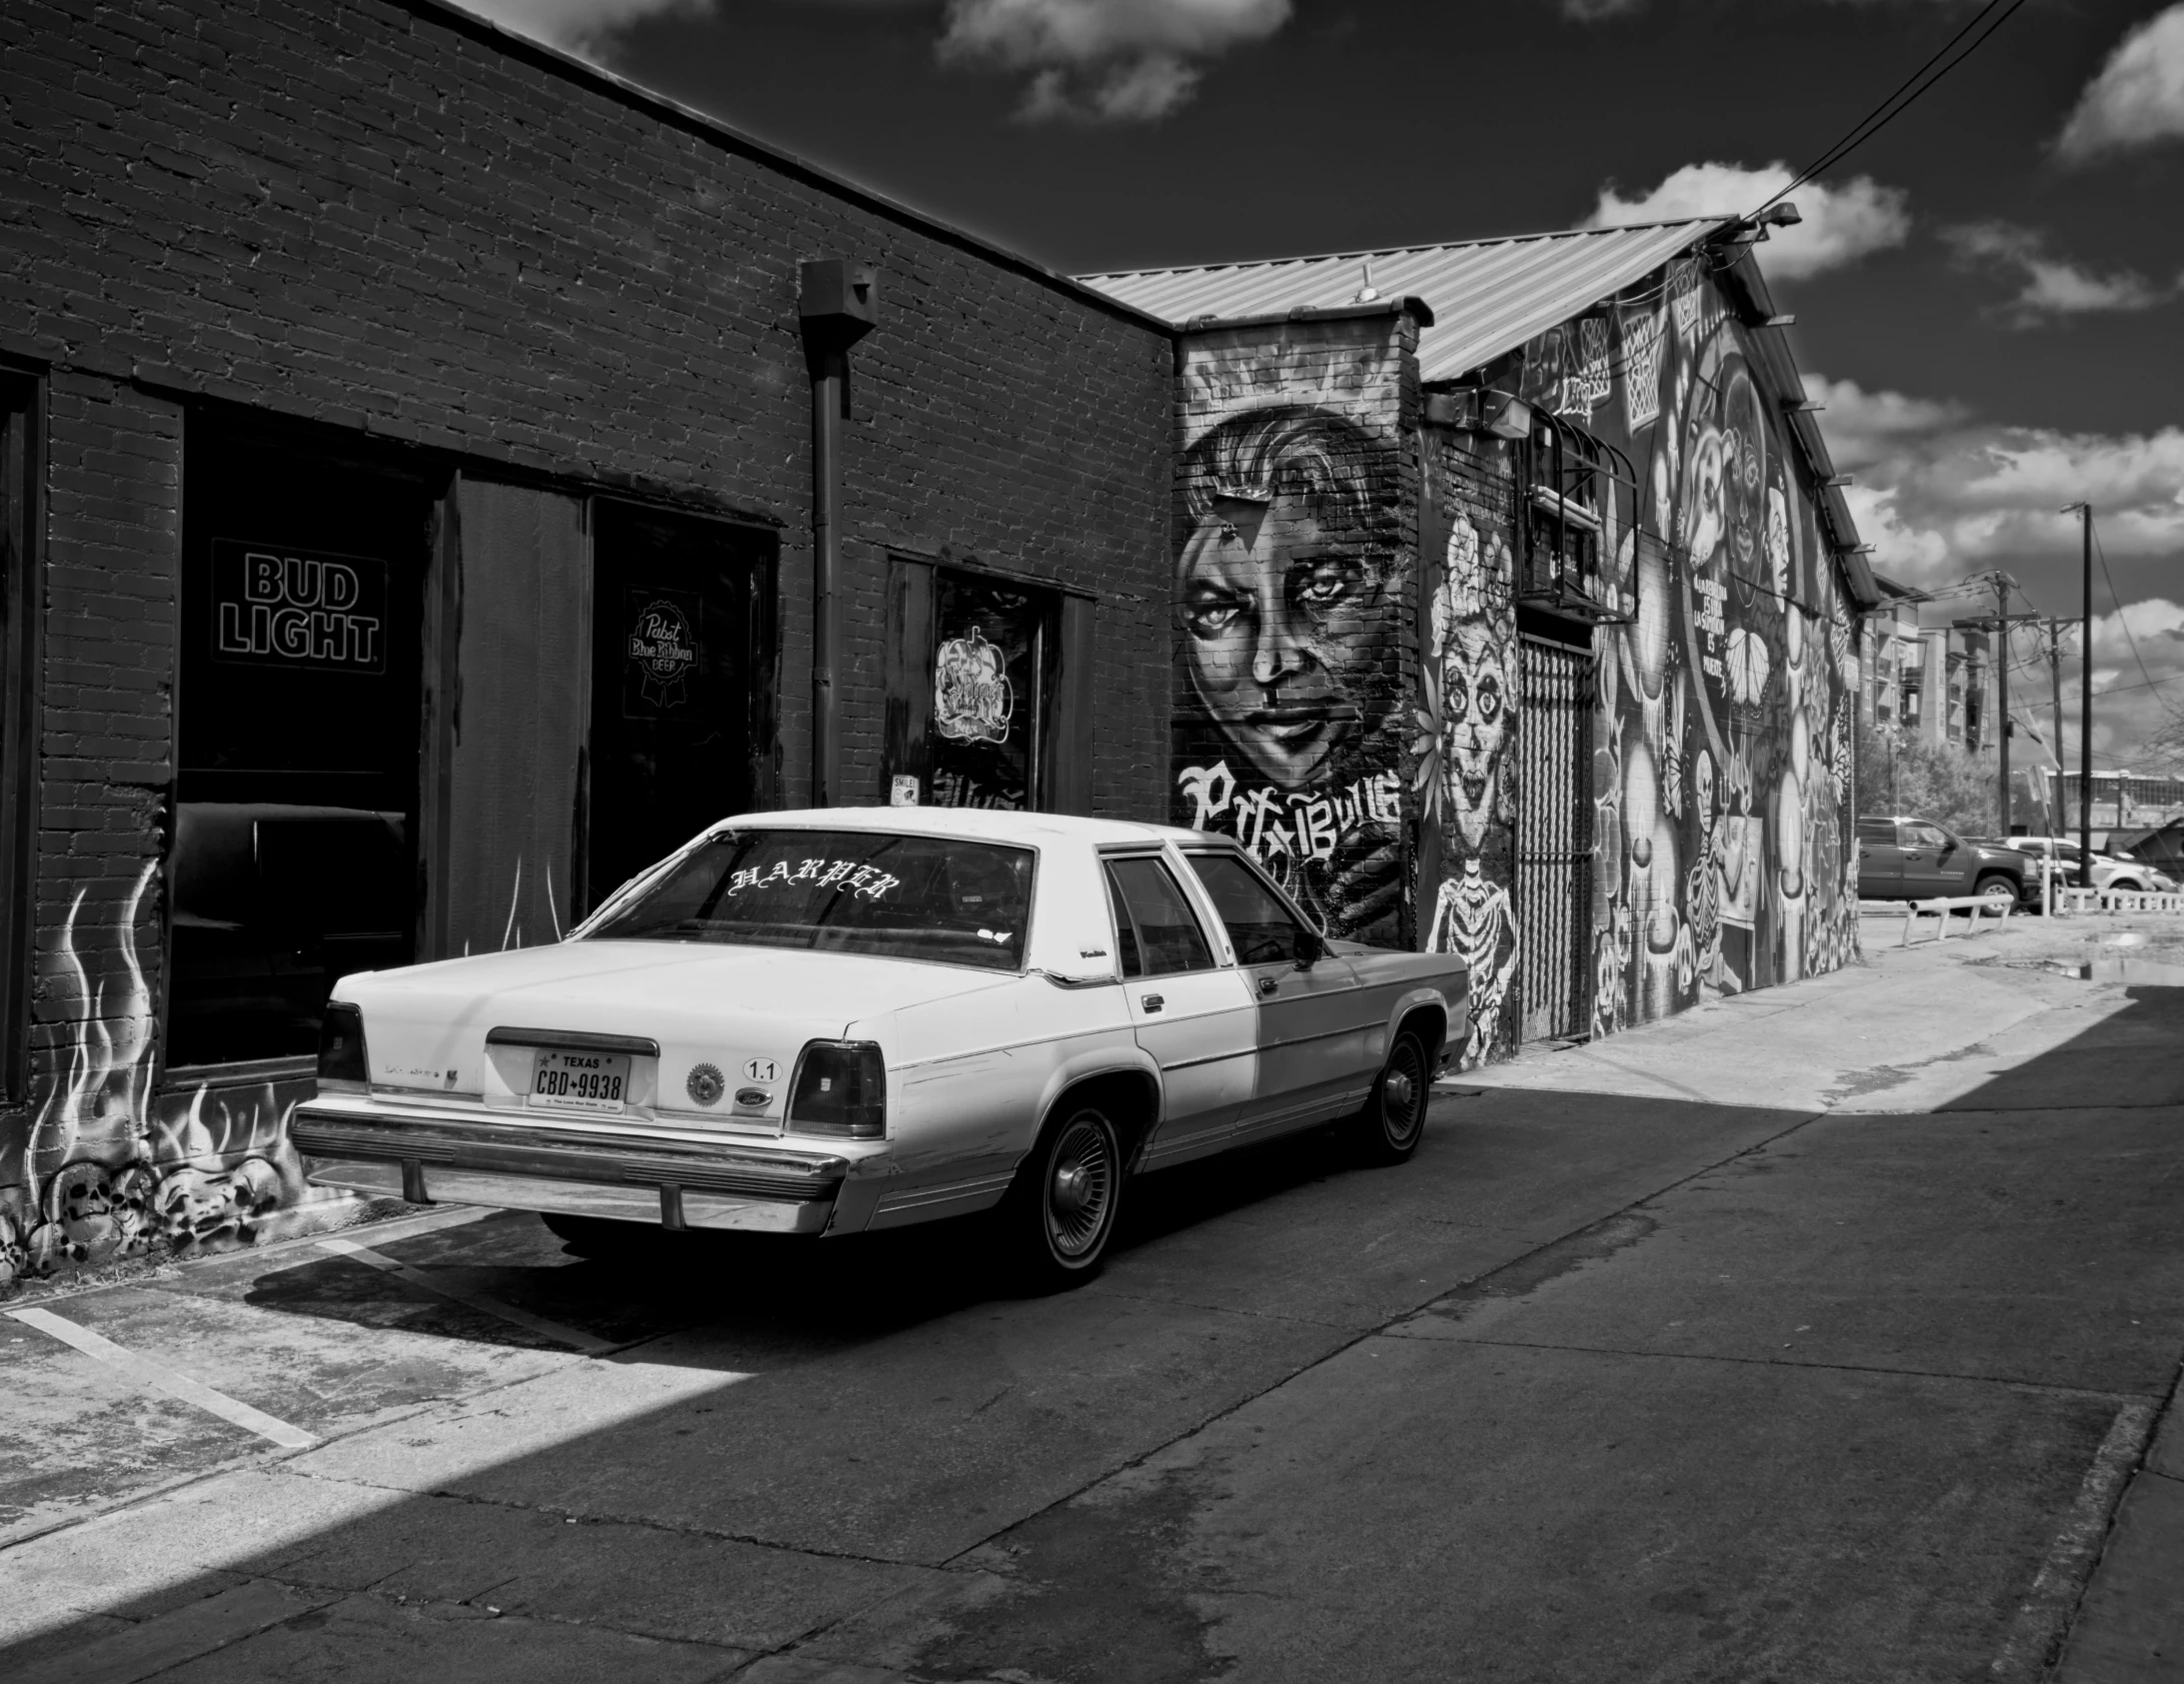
<point>849,891</point>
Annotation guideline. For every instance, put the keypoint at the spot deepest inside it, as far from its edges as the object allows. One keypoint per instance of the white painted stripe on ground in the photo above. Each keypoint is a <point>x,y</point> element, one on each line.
<point>147,1372</point>
<point>589,1343</point>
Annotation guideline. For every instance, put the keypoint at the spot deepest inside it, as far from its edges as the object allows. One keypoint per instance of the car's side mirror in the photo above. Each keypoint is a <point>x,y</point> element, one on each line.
<point>1310,948</point>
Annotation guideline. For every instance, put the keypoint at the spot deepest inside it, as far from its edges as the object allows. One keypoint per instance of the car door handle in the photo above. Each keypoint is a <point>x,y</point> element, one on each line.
<point>1268,985</point>
<point>1153,1002</point>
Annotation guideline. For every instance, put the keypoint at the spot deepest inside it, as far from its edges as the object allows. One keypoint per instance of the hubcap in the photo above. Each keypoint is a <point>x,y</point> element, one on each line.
<point>1402,1096</point>
<point>1080,1189</point>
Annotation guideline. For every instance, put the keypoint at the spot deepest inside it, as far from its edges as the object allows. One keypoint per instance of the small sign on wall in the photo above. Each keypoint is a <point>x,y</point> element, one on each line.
<point>301,610</point>
<point>903,791</point>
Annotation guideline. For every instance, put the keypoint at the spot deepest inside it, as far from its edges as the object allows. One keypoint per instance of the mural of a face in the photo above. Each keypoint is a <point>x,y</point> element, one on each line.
<point>1476,698</point>
<point>1283,593</point>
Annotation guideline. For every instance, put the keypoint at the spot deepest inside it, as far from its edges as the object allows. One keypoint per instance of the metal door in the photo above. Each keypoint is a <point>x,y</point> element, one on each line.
<point>1554,837</point>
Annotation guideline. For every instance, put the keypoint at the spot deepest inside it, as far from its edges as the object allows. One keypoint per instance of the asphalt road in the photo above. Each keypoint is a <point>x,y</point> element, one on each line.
<point>1817,1336</point>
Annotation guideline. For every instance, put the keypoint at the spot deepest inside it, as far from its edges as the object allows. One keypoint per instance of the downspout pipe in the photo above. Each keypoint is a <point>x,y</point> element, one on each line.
<point>834,309</point>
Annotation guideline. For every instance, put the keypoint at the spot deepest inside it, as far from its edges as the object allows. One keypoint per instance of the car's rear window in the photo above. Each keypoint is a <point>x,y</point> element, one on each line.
<point>849,892</point>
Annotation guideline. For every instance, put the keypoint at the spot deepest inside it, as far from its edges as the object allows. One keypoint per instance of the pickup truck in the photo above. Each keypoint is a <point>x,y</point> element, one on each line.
<point>1904,859</point>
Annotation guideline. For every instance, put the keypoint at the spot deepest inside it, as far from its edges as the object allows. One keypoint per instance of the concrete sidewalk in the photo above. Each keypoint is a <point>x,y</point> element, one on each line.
<point>1977,1022</point>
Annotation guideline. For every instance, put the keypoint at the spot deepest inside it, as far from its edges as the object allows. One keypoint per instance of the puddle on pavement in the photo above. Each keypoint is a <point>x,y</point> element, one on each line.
<point>2147,972</point>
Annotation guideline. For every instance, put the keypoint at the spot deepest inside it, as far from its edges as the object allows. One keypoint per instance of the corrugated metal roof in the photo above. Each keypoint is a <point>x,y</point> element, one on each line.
<point>1488,296</point>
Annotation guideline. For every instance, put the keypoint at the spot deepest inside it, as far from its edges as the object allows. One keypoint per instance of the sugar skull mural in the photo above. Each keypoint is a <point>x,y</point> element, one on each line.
<point>1291,601</point>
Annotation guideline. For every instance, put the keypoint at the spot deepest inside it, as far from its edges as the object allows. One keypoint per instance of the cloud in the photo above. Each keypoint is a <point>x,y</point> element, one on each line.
<point>1841,224</point>
<point>582,26</point>
<point>2137,99</point>
<point>2051,286</point>
<point>1104,60</point>
<point>1941,494</point>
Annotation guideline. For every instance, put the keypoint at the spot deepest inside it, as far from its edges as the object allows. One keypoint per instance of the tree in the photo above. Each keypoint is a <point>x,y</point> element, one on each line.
<point>1902,772</point>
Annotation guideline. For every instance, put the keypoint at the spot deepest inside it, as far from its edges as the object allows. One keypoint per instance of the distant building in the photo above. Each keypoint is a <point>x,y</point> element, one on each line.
<point>1932,682</point>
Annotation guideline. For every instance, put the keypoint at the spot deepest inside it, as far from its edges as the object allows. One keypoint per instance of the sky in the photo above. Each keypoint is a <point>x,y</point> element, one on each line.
<point>1989,292</point>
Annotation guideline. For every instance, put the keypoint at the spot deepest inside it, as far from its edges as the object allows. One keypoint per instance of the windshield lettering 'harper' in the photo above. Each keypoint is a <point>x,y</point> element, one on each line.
<point>889,896</point>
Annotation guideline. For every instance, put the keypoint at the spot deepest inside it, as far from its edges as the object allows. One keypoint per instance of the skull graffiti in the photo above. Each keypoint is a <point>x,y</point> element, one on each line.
<point>1475,700</point>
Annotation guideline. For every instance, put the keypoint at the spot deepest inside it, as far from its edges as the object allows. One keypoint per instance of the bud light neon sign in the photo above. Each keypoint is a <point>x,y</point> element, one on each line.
<point>277,606</point>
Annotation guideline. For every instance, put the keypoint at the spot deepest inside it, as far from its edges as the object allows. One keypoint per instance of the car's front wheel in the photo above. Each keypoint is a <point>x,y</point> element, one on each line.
<point>1388,1131</point>
<point>1062,1208</point>
<point>1997,891</point>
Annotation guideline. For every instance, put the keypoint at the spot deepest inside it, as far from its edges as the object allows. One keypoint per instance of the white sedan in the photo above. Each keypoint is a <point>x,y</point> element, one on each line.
<point>845,1020</point>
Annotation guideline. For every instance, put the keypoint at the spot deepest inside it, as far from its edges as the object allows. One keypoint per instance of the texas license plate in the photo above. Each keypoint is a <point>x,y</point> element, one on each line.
<point>580,1081</point>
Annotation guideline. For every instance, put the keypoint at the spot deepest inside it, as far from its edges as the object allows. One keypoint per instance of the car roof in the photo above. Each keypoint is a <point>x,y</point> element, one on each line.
<point>971,823</point>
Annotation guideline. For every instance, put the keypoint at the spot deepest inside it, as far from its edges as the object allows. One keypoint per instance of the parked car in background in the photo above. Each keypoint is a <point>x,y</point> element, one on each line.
<point>2109,871</point>
<point>853,1018</point>
<point>1906,859</point>
<point>2161,848</point>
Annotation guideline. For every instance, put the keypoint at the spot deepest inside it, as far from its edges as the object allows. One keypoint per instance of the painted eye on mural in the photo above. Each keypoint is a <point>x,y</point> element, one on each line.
<point>1458,697</point>
<point>1318,587</point>
<point>1489,699</point>
<point>1210,612</point>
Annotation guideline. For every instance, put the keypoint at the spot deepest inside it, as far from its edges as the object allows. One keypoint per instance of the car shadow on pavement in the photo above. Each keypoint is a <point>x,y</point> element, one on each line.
<point>797,1295</point>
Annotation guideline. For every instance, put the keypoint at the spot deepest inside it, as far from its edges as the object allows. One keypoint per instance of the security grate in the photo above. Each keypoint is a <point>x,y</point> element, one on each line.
<point>1554,837</point>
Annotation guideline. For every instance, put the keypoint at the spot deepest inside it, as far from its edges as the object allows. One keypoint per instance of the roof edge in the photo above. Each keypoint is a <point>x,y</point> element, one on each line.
<point>1408,305</point>
<point>1714,224</point>
<point>689,117</point>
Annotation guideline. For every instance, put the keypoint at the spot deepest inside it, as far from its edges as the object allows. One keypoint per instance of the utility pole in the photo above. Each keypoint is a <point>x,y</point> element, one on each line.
<point>2055,706</point>
<point>2085,698</point>
<point>2002,696</point>
<point>2000,627</point>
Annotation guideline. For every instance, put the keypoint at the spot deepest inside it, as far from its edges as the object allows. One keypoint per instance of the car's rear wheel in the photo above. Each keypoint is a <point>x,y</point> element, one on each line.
<point>1996,889</point>
<point>1062,1208</point>
<point>1390,1128</point>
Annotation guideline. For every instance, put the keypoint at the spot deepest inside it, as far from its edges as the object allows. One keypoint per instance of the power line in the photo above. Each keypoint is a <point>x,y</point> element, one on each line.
<point>1905,94</point>
<point>2122,617</point>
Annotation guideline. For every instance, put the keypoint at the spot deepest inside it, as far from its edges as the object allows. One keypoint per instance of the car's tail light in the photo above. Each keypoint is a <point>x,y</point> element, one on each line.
<point>841,1089</point>
<point>342,1065</point>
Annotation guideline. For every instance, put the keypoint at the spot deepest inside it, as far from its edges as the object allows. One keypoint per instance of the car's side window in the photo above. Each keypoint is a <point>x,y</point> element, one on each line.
<point>1165,933</point>
<point>1924,835</point>
<point>1125,932</point>
<point>1877,831</point>
<point>1261,928</point>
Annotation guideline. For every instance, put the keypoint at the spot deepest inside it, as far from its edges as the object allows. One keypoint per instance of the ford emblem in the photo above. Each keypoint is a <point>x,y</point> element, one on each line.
<point>705,1084</point>
<point>753,1098</point>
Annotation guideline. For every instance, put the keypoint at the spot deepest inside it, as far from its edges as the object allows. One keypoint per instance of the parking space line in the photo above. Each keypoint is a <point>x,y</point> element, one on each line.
<point>147,1372</point>
<point>590,1344</point>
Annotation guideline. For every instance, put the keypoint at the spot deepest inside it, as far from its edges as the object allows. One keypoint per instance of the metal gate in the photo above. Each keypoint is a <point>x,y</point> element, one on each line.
<point>1554,837</point>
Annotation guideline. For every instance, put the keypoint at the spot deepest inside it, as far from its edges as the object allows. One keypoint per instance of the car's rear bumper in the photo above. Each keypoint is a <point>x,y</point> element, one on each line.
<point>436,1156</point>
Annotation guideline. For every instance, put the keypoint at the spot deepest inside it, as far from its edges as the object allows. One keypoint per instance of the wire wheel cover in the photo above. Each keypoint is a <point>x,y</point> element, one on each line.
<point>1079,1191</point>
<point>1403,1093</point>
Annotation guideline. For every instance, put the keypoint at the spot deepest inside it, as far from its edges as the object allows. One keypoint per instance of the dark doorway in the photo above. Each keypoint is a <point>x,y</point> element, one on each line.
<point>297,723</point>
<point>976,665</point>
<point>682,684</point>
